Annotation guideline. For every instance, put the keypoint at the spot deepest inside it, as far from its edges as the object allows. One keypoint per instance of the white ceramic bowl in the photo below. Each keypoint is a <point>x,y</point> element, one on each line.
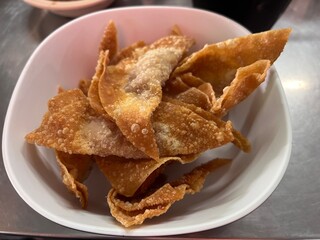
<point>69,54</point>
<point>69,8</point>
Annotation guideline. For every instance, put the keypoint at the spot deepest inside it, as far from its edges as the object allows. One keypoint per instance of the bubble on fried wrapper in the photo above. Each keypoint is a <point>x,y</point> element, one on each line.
<point>72,126</point>
<point>131,90</point>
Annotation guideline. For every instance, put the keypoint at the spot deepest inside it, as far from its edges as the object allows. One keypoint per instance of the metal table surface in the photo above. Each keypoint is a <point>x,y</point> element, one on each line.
<point>292,211</point>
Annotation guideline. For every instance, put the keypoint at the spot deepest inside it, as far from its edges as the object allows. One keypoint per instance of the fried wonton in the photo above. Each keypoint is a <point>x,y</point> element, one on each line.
<point>195,96</point>
<point>247,79</point>
<point>134,211</point>
<point>84,85</point>
<point>75,168</point>
<point>239,140</point>
<point>175,86</point>
<point>179,130</point>
<point>108,49</point>
<point>208,90</point>
<point>176,30</point>
<point>127,176</point>
<point>191,89</point>
<point>127,52</point>
<point>109,41</point>
<point>217,63</point>
<point>72,126</point>
<point>191,80</point>
<point>131,90</point>
<point>93,91</point>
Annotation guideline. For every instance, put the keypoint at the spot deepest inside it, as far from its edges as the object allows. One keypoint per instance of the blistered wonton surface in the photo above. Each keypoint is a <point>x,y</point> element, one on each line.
<point>131,90</point>
<point>72,126</point>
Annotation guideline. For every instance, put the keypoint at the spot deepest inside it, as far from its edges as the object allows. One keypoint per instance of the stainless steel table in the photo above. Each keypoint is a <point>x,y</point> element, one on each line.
<point>292,211</point>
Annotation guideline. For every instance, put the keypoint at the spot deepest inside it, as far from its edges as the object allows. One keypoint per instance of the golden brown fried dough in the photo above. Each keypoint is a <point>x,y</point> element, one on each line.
<point>191,80</point>
<point>239,141</point>
<point>247,79</point>
<point>134,211</point>
<point>176,30</point>
<point>217,63</point>
<point>109,41</point>
<point>127,52</point>
<point>179,130</point>
<point>128,175</point>
<point>175,86</point>
<point>72,126</point>
<point>75,169</point>
<point>131,90</point>
<point>93,91</point>
<point>208,90</point>
<point>190,89</point>
<point>196,97</point>
<point>84,85</point>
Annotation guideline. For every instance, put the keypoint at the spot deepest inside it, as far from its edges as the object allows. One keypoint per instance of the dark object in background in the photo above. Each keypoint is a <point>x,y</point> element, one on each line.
<point>256,15</point>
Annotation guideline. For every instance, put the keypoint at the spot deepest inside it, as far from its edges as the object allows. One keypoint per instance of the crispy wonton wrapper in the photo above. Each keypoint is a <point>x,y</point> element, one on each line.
<point>127,52</point>
<point>134,211</point>
<point>93,92</point>
<point>127,176</point>
<point>191,80</point>
<point>84,85</point>
<point>74,169</point>
<point>187,132</point>
<point>191,89</point>
<point>109,41</point>
<point>217,63</point>
<point>175,86</point>
<point>131,90</point>
<point>247,79</point>
<point>239,140</point>
<point>197,97</point>
<point>72,126</point>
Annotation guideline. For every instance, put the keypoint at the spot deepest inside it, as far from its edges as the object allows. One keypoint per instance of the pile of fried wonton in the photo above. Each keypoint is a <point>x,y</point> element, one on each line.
<point>148,105</point>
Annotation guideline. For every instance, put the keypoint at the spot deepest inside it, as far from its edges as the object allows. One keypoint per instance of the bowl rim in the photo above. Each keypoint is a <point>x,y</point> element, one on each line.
<point>65,5</point>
